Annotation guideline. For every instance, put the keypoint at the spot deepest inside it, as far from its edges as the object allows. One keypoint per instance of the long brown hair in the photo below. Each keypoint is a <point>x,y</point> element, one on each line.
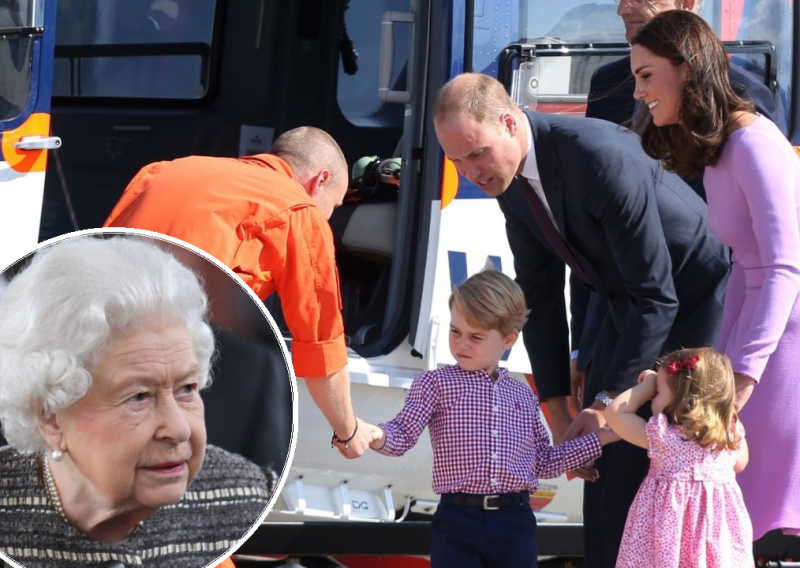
<point>708,100</point>
<point>705,391</point>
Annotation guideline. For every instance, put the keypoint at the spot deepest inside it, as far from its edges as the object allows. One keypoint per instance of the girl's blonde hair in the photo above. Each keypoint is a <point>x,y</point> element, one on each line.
<point>491,300</point>
<point>704,396</point>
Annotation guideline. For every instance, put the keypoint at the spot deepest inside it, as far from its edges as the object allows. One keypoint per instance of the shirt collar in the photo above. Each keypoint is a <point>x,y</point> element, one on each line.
<point>531,168</point>
<point>502,373</point>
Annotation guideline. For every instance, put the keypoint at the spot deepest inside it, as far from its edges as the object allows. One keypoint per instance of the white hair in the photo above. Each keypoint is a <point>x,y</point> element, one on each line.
<point>60,314</point>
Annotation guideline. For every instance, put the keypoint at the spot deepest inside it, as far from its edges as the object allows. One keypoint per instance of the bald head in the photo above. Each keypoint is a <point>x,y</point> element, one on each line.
<point>317,163</point>
<point>475,94</point>
<point>309,150</point>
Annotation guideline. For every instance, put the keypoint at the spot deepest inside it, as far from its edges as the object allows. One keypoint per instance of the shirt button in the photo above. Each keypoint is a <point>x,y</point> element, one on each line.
<point>494,456</point>
<point>495,481</point>
<point>495,409</point>
<point>494,432</point>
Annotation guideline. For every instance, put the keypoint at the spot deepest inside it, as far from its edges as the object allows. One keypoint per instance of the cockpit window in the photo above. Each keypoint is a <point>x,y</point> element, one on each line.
<point>20,23</point>
<point>158,49</point>
<point>358,82</point>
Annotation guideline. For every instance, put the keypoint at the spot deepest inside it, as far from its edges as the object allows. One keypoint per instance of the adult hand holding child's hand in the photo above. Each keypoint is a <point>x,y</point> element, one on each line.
<point>587,421</point>
<point>364,437</point>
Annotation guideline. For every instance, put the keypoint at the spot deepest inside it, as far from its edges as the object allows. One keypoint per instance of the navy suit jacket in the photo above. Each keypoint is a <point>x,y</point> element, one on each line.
<point>638,232</point>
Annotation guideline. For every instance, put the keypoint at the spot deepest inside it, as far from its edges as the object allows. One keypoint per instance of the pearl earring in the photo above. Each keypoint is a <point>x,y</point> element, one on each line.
<point>57,455</point>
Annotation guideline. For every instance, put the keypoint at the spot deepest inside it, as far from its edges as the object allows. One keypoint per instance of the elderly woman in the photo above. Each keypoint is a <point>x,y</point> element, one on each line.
<point>103,349</point>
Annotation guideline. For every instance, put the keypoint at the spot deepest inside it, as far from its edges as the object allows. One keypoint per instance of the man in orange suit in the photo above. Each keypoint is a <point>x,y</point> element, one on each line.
<point>266,217</point>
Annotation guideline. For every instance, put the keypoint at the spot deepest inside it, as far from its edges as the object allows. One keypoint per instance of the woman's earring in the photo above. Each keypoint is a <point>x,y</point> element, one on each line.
<point>57,455</point>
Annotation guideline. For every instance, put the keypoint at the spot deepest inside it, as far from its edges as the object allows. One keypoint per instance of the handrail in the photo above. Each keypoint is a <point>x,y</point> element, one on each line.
<point>23,31</point>
<point>74,54</point>
<point>528,51</point>
<point>385,93</point>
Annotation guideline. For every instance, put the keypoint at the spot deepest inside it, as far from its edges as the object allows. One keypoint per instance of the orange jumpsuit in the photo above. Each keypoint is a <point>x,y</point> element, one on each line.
<point>252,215</point>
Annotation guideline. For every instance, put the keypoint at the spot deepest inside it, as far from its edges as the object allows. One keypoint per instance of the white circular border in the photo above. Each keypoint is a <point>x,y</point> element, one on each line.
<point>287,360</point>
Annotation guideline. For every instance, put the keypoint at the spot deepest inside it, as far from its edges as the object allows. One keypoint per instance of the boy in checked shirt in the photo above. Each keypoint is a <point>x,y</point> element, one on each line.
<point>489,444</point>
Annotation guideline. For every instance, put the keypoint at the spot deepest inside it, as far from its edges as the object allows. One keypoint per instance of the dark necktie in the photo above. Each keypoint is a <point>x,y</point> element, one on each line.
<point>550,231</point>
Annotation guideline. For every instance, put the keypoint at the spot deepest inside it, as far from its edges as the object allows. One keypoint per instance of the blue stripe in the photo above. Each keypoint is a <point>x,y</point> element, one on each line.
<point>458,267</point>
<point>468,190</point>
<point>458,273</point>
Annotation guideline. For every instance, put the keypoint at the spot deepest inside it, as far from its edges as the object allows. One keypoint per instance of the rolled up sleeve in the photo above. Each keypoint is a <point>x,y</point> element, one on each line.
<point>307,282</point>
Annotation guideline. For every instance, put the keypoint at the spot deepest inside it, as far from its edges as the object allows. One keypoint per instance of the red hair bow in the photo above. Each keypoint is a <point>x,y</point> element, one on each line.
<point>690,364</point>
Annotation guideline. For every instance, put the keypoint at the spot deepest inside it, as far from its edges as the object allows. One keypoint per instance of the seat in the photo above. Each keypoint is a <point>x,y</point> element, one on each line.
<point>365,225</point>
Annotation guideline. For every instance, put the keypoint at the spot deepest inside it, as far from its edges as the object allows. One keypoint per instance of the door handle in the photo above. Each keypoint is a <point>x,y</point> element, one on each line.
<point>38,143</point>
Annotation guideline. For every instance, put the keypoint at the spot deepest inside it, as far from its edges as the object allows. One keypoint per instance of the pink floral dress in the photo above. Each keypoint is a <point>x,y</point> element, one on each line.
<point>689,510</point>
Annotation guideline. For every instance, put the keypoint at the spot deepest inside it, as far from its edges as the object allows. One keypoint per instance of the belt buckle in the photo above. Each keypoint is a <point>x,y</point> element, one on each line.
<point>486,506</point>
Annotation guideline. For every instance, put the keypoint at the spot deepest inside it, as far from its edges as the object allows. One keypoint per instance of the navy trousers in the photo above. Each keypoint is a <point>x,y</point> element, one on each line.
<point>471,537</point>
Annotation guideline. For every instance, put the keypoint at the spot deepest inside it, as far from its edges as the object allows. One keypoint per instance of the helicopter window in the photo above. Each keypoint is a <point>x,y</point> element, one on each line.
<point>118,48</point>
<point>358,87</point>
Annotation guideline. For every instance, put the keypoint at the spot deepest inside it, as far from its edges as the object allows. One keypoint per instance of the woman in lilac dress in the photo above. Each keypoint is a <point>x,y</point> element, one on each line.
<point>752,178</point>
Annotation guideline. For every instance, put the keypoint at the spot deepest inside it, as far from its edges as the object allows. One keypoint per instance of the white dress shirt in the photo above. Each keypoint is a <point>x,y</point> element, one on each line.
<point>530,171</point>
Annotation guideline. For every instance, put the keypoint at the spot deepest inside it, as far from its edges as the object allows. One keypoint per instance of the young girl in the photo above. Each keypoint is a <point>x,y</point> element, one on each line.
<point>689,510</point>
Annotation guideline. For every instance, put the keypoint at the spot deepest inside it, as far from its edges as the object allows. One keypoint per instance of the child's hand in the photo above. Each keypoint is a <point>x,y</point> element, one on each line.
<point>586,472</point>
<point>646,375</point>
<point>587,421</point>
<point>378,437</point>
<point>366,435</point>
<point>648,385</point>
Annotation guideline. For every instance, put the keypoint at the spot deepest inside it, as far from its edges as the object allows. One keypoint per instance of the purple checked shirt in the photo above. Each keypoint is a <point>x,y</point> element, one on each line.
<point>487,436</point>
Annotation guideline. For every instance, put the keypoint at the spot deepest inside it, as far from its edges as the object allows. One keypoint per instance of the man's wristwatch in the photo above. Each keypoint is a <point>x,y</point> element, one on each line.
<point>604,398</point>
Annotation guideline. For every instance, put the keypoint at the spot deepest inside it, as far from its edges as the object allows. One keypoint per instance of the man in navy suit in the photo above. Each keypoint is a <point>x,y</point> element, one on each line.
<point>582,193</point>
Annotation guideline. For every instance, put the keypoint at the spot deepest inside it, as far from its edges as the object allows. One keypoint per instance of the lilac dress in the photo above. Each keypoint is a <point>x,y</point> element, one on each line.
<point>753,199</point>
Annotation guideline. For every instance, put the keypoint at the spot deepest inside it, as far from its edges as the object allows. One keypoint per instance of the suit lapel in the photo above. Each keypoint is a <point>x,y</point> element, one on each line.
<point>515,195</point>
<point>553,185</point>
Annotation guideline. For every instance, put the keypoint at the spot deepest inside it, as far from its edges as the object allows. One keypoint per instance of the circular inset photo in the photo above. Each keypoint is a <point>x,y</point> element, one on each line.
<point>146,403</point>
